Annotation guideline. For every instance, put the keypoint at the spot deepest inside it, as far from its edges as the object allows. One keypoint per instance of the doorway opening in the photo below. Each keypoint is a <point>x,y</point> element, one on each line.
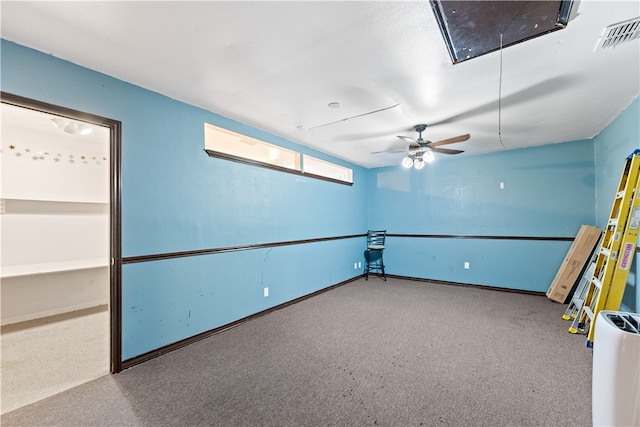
<point>60,251</point>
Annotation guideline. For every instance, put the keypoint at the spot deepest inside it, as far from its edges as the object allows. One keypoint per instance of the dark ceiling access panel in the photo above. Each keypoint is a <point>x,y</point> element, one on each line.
<point>473,28</point>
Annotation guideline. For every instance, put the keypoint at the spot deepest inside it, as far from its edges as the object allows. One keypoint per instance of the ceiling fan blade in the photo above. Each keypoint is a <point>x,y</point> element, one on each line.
<point>399,150</point>
<point>446,151</point>
<point>407,139</point>
<point>450,140</point>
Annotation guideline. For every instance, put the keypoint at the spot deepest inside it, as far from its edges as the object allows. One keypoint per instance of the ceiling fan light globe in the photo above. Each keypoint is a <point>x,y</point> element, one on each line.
<point>407,162</point>
<point>419,164</point>
<point>428,156</point>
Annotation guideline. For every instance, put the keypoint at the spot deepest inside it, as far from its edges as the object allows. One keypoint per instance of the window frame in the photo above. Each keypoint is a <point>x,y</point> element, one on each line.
<point>252,162</point>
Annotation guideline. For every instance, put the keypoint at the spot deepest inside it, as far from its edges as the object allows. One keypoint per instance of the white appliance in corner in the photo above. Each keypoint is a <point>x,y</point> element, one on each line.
<point>616,369</point>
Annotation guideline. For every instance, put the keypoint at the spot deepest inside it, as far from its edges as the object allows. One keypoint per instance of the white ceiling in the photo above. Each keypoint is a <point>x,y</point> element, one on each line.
<point>277,66</point>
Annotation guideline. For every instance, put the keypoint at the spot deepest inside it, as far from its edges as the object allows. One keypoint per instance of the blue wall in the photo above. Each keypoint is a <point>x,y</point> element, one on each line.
<point>611,147</point>
<point>548,192</point>
<point>177,198</point>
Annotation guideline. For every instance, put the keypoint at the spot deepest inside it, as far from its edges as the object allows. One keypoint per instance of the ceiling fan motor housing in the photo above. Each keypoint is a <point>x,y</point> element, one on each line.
<point>419,150</point>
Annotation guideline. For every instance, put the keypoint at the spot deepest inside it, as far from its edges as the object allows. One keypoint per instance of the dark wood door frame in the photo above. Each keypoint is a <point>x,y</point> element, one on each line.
<point>115,214</point>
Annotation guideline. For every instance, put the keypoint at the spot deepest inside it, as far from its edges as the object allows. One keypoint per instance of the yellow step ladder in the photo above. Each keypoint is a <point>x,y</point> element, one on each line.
<point>577,300</point>
<point>606,287</point>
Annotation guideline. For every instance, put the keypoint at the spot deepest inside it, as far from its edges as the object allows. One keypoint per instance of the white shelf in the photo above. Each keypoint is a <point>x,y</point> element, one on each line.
<point>51,207</point>
<point>52,267</point>
<point>52,312</point>
<point>87,202</point>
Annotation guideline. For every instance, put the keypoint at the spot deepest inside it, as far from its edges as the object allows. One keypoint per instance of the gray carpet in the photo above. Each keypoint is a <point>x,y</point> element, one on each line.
<point>395,353</point>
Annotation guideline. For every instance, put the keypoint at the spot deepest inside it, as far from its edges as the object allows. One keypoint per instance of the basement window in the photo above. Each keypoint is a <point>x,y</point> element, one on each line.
<point>324,169</point>
<point>223,143</point>
<point>228,145</point>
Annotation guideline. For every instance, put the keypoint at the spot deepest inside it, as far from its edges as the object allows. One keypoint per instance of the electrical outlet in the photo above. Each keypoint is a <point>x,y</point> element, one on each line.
<point>355,265</point>
<point>502,185</point>
<point>360,264</point>
<point>266,292</point>
<point>466,265</point>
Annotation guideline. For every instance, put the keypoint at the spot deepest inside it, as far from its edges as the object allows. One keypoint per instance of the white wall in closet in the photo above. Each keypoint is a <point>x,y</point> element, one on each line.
<point>55,214</point>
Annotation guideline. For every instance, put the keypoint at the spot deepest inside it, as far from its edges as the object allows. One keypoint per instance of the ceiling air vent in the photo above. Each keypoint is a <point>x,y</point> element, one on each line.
<point>619,33</point>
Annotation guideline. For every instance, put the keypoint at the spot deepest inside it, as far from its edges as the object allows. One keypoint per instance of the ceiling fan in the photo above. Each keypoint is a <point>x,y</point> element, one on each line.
<point>421,151</point>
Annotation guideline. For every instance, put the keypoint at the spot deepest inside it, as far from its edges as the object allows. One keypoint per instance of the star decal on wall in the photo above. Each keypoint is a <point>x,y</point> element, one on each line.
<point>43,155</point>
